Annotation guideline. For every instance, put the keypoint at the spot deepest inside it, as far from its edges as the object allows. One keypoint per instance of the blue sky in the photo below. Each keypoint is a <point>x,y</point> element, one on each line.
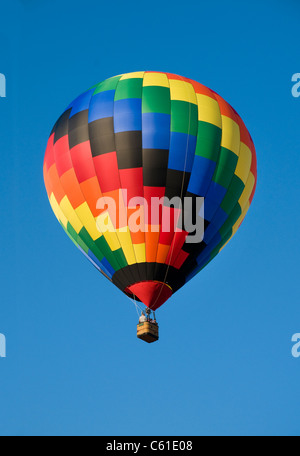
<point>223,365</point>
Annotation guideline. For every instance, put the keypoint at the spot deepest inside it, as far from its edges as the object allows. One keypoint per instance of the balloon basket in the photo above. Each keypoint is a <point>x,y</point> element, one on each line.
<point>147,331</point>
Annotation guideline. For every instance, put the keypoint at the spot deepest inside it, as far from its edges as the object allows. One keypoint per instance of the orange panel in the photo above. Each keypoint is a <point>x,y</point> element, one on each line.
<point>55,183</point>
<point>92,193</point>
<point>47,182</point>
<point>71,187</point>
<point>151,244</point>
<point>162,253</point>
<point>138,238</point>
<point>225,108</point>
<point>201,89</point>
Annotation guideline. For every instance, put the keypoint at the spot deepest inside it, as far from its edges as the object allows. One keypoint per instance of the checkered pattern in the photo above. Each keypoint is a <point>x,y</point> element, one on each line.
<point>153,134</point>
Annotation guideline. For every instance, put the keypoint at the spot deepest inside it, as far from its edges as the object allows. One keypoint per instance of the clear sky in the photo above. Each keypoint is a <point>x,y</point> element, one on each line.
<point>223,365</point>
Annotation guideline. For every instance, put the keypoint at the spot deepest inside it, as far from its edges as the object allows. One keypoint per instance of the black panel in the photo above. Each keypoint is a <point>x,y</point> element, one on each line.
<point>61,126</point>
<point>175,279</point>
<point>102,137</point>
<point>188,266</point>
<point>78,128</point>
<point>129,149</point>
<point>194,249</point>
<point>174,182</point>
<point>155,167</point>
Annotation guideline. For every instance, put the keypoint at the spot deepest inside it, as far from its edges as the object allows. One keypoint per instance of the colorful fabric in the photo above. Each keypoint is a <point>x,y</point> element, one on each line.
<point>154,135</point>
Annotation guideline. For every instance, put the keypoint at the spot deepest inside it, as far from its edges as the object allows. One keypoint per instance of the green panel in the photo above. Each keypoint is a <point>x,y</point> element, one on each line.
<point>66,231</point>
<point>227,159</point>
<point>233,194</point>
<point>91,244</point>
<point>108,84</point>
<point>233,217</point>
<point>184,117</point>
<point>77,238</point>
<point>111,256</point>
<point>156,99</point>
<point>223,176</point>
<point>129,88</point>
<point>119,254</point>
<point>208,141</point>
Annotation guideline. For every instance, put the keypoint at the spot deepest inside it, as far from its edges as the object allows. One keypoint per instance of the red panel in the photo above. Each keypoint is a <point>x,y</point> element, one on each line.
<point>149,193</point>
<point>49,154</point>
<point>107,171</point>
<point>82,160</point>
<point>177,243</point>
<point>152,294</point>
<point>170,217</point>
<point>132,180</point>
<point>62,155</point>
<point>180,259</point>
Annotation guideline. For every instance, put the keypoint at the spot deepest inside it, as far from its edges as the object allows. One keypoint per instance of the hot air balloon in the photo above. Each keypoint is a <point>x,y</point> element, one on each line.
<point>139,137</point>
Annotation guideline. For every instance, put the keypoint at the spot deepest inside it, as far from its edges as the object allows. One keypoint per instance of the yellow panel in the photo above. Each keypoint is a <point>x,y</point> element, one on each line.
<point>244,198</point>
<point>126,244</point>
<point>88,220</point>
<point>208,110</point>
<point>112,240</point>
<point>225,243</point>
<point>140,252</point>
<point>124,235</point>
<point>70,213</point>
<point>105,225</point>
<point>181,90</point>
<point>244,163</point>
<point>137,74</point>
<point>237,223</point>
<point>129,253</point>
<point>155,79</point>
<point>57,211</point>
<point>230,135</point>
<point>240,219</point>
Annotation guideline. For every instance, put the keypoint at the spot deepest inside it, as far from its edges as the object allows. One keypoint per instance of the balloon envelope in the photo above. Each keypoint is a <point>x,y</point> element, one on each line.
<point>142,137</point>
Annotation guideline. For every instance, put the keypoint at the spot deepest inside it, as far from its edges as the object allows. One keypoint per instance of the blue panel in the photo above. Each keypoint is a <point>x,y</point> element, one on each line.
<point>202,173</point>
<point>103,264</point>
<point>156,130</point>
<point>110,270</point>
<point>214,226</point>
<point>182,151</point>
<point>204,256</point>
<point>102,105</point>
<point>81,103</point>
<point>210,208</point>
<point>128,115</point>
<point>219,218</point>
<point>216,192</point>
